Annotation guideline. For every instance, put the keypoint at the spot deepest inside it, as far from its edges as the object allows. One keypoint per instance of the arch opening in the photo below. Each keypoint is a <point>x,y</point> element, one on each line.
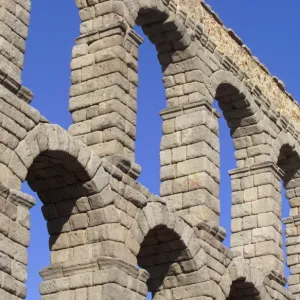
<point>226,150</point>
<point>171,253</point>
<point>241,289</point>
<point>237,112</point>
<point>150,100</point>
<point>159,252</point>
<point>289,162</point>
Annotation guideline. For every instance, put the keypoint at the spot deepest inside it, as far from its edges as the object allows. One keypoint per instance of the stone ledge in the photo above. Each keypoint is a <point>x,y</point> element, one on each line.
<point>206,237</point>
<point>256,169</point>
<point>217,231</point>
<point>105,31</point>
<point>16,88</point>
<point>125,165</point>
<point>103,263</point>
<point>20,198</point>
<point>135,37</point>
<point>172,112</point>
<point>292,220</point>
<point>278,278</point>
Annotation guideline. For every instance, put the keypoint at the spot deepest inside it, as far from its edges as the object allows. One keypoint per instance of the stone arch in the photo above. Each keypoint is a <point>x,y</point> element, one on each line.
<point>246,282</point>
<point>50,145</point>
<point>286,156</point>
<point>235,101</point>
<point>283,139</point>
<point>62,170</point>
<point>168,250</point>
<point>112,58</point>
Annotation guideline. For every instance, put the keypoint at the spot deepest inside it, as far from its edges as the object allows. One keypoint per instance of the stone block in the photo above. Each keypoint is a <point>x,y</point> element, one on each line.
<point>249,222</point>
<point>250,194</point>
<point>166,157</point>
<point>166,188</point>
<point>168,126</point>
<point>247,182</point>
<point>178,154</point>
<point>236,225</point>
<point>197,134</point>
<point>249,251</point>
<point>268,248</point>
<point>269,219</point>
<point>108,214</point>
<point>170,141</point>
<point>190,120</point>
<point>242,142</point>
<point>174,201</point>
<point>79,221</point>
<point>266,234</point>
<point>203,181</point>
<point>266,205</point>
<point>241,238</point>
<point>196,165</point>
<point>264,178</point>
<point>241,210</point>
<point>168,172</point>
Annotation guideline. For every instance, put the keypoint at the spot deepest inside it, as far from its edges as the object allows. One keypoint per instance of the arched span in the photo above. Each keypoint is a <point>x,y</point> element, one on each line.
<point>284,139</point>
<point>234,99</point>
<point>244,281</point>
<point>169,249</point>
<point>49,159</point>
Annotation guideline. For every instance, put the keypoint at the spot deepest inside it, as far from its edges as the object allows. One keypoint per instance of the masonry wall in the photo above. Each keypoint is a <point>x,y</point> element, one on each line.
<point>101,222</point>
<point>15,16</point>
<point>15,225</point>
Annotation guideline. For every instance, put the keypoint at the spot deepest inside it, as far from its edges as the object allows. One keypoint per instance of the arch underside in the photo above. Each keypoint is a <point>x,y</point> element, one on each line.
<point>243,290</point>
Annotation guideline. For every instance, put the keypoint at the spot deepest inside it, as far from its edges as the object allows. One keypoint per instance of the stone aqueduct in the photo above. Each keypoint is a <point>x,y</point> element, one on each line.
<point>101,222</point>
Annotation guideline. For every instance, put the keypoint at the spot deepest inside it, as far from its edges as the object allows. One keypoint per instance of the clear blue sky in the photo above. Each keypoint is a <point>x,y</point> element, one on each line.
<point>270,29</point>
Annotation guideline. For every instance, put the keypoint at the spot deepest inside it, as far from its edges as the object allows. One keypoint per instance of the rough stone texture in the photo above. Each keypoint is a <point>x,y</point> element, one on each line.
<point>102,223</point>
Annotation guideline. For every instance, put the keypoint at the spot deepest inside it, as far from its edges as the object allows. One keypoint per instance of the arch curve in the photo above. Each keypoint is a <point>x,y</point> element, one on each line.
<point>235,100</point>
<point>283,139</point>
<point>48,153</point>
<point>246,281</point>
<point>222,77</point>
<point>167,243</point>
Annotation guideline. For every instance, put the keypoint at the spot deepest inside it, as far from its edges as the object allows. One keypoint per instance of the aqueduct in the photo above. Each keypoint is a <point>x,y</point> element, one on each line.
<point>102,223</point>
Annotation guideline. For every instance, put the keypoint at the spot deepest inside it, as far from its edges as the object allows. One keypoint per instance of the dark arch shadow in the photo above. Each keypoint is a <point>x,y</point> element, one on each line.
<point>159,252</point>
<point>289,163</point>
<point>241,289</point>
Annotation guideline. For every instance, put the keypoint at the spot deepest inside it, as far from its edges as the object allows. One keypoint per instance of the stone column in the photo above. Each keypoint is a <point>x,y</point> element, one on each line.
<point>15,15</point>
<point>292,235</point>
<point>104,80</point>
<point>190,161</point>
<point>256,216</point>
<point>293,252</point>
<point>105,279</point>
<point>14,233</point>
<point>14,21</point>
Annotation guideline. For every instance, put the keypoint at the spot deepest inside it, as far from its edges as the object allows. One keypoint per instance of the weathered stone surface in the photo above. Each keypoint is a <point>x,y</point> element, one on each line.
<point>102,223</point>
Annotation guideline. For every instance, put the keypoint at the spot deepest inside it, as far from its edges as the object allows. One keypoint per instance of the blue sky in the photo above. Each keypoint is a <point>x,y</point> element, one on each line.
<point>269,28</point>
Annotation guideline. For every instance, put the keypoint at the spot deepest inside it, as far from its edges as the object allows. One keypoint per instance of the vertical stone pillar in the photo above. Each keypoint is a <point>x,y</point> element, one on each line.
<point>293,252</point>
<point>14,20</point>
<point>190,161</point>
<point>256,216</point>
<point>105,279</point>
<point>14,233</point>
<point>292,235</point>
<point>104,80</point>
